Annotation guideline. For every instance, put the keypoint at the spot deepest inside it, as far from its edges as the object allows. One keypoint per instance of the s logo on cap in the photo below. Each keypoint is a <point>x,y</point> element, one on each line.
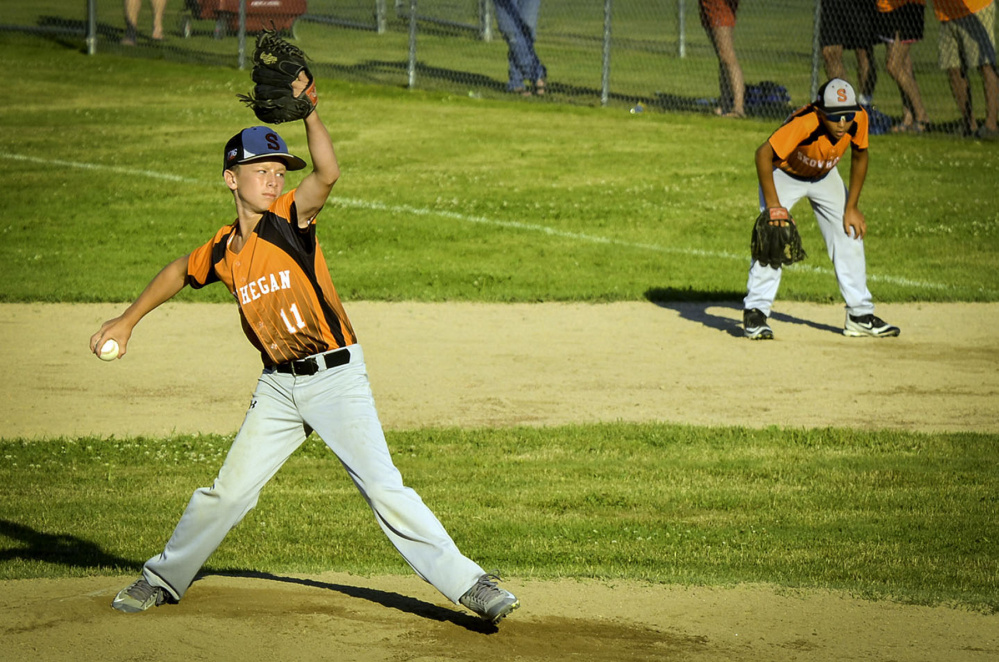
<point>841,95</point>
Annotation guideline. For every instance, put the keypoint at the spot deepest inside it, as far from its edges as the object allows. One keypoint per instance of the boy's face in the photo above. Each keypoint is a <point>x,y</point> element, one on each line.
<point>837,124</point>
<point>257,183</point>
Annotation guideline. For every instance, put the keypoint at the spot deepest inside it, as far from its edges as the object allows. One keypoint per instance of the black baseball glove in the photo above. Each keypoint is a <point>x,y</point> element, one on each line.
<point>776,241</point>
<point>276,66</point>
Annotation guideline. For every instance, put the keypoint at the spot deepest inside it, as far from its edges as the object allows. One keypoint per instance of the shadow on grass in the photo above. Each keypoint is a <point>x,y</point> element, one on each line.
<point>385,598</point>
<point>397,71</point>
<point>67,32</point>
<point>694,306</point>
<point>59,548</point>
<point>72,551</point>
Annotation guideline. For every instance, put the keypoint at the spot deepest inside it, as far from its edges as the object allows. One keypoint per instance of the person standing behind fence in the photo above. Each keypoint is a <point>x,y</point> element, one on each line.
<point>718,19</point>
<point>518,21</point>
<point>967,41</point>
<point>849,25</point>
<point>132,20</point>
<point>900,24</point>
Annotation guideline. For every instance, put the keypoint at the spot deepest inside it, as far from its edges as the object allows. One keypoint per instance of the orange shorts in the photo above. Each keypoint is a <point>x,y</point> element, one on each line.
<point>718,13</point>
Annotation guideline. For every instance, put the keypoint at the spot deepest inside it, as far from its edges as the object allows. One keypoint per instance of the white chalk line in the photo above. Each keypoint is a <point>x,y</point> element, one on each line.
<point>482,220</point>
<point>121,170</point>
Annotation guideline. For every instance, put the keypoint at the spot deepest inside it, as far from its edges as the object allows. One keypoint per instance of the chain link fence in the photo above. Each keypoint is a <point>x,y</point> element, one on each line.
<point>642,55</point>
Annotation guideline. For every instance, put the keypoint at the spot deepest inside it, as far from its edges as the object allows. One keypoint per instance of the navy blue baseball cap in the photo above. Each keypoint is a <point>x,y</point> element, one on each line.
<point>258,142</point>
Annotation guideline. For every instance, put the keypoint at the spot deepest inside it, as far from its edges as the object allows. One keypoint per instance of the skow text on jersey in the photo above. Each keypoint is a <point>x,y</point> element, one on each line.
<point>817,163</point>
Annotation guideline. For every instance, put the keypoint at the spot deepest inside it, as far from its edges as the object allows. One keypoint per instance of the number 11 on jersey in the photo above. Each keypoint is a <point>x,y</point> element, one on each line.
<point>299,322</point>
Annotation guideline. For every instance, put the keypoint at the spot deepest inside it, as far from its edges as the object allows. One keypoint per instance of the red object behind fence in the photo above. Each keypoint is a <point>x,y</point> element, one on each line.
<point>260,14</point>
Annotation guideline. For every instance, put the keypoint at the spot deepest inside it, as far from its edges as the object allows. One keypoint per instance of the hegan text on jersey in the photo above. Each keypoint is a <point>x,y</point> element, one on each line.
<point>263,285</point>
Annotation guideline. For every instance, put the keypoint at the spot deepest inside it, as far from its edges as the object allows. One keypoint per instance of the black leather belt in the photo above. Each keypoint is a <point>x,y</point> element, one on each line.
<point>810,180</point>
<point>310,364</point>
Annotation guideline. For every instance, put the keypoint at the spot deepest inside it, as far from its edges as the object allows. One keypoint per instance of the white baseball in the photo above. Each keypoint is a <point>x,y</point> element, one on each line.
<point>109,351</point>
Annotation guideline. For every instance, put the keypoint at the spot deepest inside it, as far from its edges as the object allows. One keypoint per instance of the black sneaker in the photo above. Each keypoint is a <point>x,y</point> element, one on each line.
<point>869,325</point>
<point>755,324</point>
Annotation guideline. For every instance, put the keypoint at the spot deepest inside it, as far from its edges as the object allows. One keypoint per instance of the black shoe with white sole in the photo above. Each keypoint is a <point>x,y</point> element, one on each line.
<point>869,325</point>
<point>755,325</point>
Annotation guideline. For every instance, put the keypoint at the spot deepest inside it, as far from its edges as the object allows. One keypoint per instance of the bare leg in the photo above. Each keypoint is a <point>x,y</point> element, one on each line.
<point>159,6</point>
<point>729,72</point>
<point>833,56</point>
<point>915,97</point>
<point>131,22</point>
<point>990,81</point>
<point>867,73</point>
<point>899,66</point>
<point>962,95</point>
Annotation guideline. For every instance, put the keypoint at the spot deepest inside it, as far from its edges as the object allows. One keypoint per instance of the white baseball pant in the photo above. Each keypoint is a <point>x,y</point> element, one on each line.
<point>828,199</point>
<point>338,405</point>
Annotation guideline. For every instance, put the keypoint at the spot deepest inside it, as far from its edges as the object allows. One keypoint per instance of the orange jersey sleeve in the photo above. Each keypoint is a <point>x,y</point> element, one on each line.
<point>885,6</point>
<point>804,149</point>
<point>280,280</point>
<point>949,10</point>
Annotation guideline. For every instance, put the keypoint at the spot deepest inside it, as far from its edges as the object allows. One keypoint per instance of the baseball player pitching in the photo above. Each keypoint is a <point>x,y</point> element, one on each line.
<point>314,376</point>
<point>799,161</point>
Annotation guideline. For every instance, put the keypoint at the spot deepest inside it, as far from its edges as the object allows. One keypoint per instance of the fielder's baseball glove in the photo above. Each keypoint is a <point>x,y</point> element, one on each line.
<point>276,65</point>
<point>776,241</point>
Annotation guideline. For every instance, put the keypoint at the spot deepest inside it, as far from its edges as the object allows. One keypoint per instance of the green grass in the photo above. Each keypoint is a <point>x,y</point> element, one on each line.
<point>880,514</point>
<point>645,48</point>
<point>450,198</point>
<point>112,170</point>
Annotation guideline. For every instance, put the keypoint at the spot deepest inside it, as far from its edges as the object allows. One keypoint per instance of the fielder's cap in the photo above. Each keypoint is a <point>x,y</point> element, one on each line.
<point>258,142</point>
<point>836,96</point>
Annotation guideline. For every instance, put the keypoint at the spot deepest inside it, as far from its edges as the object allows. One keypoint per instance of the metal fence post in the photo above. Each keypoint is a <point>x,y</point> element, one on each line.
<point>682,29</point>
<point>605,75</point>
<point>381,22</point>
<point>816,48</point>
<point>486,20</point>
<point>412,44</point>
<point>91,27</point>
<point>242,34</point>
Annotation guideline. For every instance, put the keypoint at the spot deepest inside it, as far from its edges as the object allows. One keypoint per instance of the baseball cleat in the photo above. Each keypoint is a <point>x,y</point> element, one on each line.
<point>869,325</point>
<point>488,600</point>
<point>140,596</point>
<point>754,323</point>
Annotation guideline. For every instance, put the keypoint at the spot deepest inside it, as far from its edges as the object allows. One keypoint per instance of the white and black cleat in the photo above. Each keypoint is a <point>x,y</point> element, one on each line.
<point>869,325</point>
<point>755,325</point>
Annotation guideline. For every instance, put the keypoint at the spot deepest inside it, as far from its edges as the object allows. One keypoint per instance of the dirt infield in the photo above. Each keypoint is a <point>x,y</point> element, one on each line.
<point>188,369</point>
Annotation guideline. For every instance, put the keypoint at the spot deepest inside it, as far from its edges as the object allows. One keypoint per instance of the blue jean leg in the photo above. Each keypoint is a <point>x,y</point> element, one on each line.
<point>518,21</point>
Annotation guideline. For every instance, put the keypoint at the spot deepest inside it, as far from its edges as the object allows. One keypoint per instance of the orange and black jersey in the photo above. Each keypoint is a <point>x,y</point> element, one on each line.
<point>805,150</point>
<point>886,6</point>
<point>287,302</point>
<point>951,10</point>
